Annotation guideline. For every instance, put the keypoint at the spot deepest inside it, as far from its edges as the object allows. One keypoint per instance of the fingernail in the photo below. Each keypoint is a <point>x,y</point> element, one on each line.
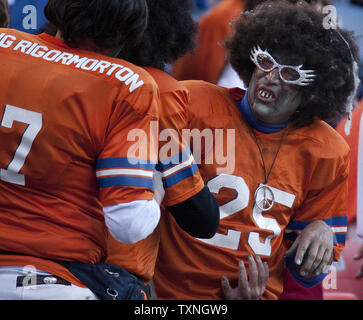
<point>303,273</point>
<point>298,261</point>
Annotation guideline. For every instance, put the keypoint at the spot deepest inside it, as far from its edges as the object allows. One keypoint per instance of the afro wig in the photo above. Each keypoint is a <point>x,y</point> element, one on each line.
<point>112,24</point>
<point>296,34</point>
<point>170,34</point>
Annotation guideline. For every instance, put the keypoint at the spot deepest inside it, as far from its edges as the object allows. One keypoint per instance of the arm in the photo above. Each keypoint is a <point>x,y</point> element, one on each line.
<point>124,168</point>
<point>194,208</point>
<point>198,215</point>
<point>313,249</point>
<point>126,221</point>
<point>325,203</point>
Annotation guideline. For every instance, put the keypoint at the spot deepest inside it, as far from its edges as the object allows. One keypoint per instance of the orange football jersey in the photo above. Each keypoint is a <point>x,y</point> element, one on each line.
<point>181,180</point>
<point>78,132</point>
<point>308,180</point>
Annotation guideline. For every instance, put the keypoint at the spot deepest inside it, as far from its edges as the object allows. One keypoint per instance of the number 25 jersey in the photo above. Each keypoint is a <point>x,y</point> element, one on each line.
<point>308,180</point>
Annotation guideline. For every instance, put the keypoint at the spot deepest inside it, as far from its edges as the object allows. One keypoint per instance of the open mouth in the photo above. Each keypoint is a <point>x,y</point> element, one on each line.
<point>265,94</point>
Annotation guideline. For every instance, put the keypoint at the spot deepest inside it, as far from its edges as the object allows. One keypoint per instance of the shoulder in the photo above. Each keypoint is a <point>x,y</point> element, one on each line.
<point>136,86</point>
<point>323,141</point>
<point>165,82</point>
<point>207,99</point>
<point>174,97</point>
<point>114,80</point>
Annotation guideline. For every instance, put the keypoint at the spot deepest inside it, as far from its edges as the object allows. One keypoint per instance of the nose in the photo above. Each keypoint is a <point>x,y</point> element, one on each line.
<point>273,75</point>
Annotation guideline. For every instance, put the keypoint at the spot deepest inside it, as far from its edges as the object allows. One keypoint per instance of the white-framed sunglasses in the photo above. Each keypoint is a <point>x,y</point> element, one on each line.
<point>289,74</point>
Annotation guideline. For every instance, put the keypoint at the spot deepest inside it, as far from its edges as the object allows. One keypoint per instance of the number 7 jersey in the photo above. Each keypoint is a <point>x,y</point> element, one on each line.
<point>308,180</point>
<point>66,115</point>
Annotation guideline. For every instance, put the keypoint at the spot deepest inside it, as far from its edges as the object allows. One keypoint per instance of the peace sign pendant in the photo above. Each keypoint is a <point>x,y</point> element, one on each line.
<point>264,197</point>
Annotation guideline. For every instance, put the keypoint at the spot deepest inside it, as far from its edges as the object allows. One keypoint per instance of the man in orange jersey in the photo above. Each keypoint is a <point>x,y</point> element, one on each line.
<point>65,106</point>
<point>291,169</point>
<point>165,51</point>
<point>78,135</point>
<point>4,14</point>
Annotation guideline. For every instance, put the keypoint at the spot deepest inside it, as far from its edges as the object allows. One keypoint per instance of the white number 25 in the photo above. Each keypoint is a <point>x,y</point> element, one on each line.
<point>231,240</point>
<point>34,121</point>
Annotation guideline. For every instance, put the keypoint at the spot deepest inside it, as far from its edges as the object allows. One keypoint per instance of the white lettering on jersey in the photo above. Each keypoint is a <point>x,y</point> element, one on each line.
<point>121,73</point>
<point>34,120</point>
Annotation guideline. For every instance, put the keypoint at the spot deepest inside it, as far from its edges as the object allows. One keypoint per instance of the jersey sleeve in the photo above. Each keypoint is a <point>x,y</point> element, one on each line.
<point>124,169</point>
<point>180,173</point>
<point>325,200</point>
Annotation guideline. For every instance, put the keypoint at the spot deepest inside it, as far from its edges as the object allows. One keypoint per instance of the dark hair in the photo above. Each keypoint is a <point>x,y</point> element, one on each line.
<point>169,35</point>
<point>296,33</point>
<point>109,23</point>
<point>252,4</point>
<point>4,14</point>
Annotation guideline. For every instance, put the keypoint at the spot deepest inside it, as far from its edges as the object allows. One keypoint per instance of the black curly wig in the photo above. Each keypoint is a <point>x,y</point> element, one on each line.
<point>4,14</point>
<point>110,24</point>
<point>169,35</point>
<point>296,33</point>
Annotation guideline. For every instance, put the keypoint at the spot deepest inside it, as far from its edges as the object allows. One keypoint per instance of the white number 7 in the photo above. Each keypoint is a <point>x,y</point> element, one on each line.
<point>34,121</point>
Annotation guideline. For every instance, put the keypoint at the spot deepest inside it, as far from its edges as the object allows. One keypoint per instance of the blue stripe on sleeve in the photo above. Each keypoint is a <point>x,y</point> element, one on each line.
<point>172,161</point>
<point>335,221</point>
<point>134,163</point>
<point>179,176</point>
<point>305,282</point>
<point>297,225</point>
<point>125,181</point>
<point>338,237</point>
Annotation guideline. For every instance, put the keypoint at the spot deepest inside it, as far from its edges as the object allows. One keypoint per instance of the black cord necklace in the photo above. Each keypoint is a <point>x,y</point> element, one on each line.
<point>264,196</point>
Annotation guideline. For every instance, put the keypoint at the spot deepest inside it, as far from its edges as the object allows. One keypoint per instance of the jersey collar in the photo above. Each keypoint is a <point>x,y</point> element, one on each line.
<point>256,124</point>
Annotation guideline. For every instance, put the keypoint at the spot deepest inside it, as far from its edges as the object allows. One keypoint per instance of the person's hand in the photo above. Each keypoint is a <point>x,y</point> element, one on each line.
<point>358,256</point>
<point>159,191</point>
<point>314,249</point>
<point>251,289</point>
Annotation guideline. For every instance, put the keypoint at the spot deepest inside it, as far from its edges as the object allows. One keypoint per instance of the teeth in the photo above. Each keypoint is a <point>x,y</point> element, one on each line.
<point>265,94</point>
